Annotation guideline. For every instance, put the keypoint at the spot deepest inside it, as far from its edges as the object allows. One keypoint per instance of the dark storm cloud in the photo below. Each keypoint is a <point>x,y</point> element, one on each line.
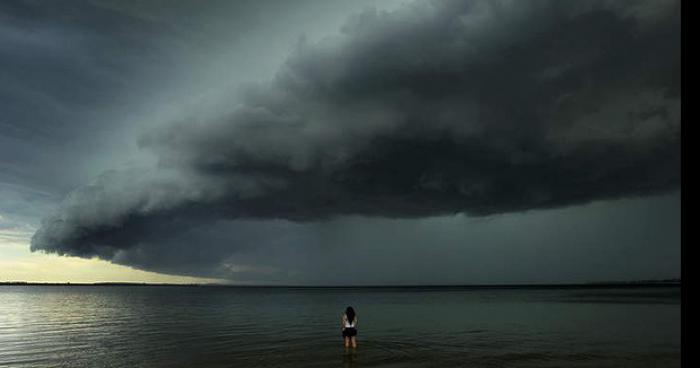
<point>63,68</point>
<point>418,113</point>
<point>437,108</point>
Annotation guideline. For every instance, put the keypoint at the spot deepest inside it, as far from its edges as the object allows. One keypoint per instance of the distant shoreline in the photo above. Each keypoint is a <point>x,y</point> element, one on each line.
<point>589,285</point>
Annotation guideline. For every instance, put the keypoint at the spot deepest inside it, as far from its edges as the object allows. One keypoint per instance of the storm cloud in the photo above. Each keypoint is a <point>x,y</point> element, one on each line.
<point>436,108</point>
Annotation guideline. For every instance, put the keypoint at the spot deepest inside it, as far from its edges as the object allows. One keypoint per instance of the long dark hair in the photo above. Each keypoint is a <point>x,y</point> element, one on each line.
<point>350,313</point>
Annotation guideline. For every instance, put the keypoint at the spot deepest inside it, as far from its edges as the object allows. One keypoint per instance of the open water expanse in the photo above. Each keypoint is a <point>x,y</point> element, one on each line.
<point>208,326</point>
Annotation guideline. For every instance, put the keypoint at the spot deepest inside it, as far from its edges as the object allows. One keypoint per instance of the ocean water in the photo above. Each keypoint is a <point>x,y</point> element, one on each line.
<point>181,326</point>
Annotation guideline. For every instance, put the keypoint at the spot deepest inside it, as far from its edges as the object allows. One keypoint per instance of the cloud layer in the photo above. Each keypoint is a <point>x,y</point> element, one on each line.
<point>474,107</point>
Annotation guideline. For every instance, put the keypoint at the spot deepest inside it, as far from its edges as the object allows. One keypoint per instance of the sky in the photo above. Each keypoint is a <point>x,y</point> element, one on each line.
<point>340,143</point>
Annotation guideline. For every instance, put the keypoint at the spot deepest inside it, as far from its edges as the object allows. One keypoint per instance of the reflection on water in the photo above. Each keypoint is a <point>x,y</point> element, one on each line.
<point>144,326</point>
<point>350,358</point>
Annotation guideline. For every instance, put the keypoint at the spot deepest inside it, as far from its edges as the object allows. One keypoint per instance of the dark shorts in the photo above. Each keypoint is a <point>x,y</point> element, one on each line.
<point>349,332</point>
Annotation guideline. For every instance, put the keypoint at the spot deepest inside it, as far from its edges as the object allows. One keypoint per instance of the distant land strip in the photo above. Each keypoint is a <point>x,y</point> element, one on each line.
<point>587,285</point>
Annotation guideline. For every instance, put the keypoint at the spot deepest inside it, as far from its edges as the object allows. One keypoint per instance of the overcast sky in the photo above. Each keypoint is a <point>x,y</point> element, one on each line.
<point>335,142</point>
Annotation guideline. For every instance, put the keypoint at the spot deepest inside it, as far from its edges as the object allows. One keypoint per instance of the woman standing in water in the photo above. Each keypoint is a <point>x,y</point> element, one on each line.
<point>349,323</point>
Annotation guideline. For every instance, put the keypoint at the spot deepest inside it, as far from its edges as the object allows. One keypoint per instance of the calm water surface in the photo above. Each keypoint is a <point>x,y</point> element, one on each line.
<point>179,326</point>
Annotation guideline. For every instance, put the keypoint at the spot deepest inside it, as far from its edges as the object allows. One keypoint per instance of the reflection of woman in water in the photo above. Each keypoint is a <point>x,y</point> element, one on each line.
<point>349,323</point>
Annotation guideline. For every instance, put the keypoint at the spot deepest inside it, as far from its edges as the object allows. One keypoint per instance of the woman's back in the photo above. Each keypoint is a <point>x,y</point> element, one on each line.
<point>349,323</point>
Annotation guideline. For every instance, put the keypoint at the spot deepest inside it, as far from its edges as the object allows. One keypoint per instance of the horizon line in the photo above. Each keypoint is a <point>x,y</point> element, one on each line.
<point>670,281</point>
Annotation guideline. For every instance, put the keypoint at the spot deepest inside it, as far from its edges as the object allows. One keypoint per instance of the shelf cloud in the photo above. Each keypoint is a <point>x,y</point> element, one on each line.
<point>436,108</point>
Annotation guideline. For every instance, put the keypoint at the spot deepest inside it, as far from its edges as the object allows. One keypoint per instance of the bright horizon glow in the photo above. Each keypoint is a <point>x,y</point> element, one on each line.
<point>20,264</point>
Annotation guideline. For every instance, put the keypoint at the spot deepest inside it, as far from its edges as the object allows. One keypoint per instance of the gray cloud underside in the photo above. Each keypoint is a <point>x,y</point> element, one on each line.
<point>437,108</point>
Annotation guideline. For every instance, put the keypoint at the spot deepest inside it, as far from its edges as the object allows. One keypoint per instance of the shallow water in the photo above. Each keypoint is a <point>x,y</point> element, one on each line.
<point>180,326</point>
